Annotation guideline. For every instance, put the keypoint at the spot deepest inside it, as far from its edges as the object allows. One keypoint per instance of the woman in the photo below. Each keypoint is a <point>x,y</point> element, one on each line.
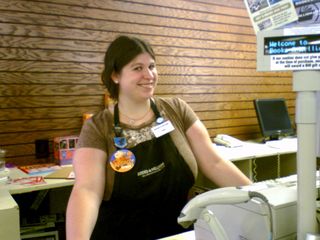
<point>137,160</point>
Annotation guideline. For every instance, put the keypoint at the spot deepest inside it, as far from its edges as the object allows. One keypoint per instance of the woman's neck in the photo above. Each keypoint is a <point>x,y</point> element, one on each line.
<point>134,113</point>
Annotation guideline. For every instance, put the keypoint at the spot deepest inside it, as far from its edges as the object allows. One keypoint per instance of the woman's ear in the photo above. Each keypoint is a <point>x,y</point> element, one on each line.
<point>114,77</point>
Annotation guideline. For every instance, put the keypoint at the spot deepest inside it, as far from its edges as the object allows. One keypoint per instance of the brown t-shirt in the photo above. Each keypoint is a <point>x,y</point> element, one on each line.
<point>97,132</point>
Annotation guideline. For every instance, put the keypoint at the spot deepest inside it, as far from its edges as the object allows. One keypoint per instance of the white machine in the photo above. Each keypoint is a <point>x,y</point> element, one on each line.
<point>281,211</point>
<point>264,211</point>
<point>297,49</point>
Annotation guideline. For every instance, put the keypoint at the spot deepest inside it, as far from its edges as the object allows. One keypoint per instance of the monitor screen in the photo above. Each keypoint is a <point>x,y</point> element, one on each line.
<point>289,48</point>
<point>273,118</point>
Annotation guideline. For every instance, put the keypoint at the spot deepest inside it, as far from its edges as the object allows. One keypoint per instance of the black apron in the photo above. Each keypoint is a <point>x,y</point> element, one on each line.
<point>146,201</point>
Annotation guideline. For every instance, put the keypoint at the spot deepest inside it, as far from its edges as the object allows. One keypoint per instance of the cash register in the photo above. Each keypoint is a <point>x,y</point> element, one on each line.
<point>265,210</point>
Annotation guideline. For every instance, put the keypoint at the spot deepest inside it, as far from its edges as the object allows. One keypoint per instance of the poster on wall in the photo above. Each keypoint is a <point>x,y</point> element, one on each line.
<point>270,14</point>
<point>308,12</point>
<point>277,14</point>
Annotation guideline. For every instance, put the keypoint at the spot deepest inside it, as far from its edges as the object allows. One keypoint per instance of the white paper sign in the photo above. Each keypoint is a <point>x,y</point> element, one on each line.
<point>268,15</point>
<point>295,62</point>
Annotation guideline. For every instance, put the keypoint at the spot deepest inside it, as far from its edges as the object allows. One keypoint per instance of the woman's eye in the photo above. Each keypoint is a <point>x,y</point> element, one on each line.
<point>152,66</point>
<point>138,68</point>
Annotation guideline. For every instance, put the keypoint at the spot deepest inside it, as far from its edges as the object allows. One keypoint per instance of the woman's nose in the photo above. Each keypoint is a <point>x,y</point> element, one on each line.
<point>148,73</point>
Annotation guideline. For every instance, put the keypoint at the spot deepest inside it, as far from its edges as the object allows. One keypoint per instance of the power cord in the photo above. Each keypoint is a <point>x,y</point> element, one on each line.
<point>254,170</point>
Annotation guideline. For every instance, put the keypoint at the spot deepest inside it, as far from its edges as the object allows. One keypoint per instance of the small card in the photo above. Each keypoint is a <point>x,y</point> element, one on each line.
<point>63,173</point>
<point>162,129</point>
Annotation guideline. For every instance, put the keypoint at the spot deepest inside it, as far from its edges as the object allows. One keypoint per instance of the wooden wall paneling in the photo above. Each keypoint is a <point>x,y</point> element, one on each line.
<point>41,89</point>
<point>50,101</point>
<point>218,89</point>
<point>216,7</point>
<point>51,58</point>
<point>242,132</point>
<point>52,55</point>
<point>182,9</point>
<point>235,80</point>
<point>222,68</point>
<point>152,18</point>
<point>39,124</point>
<point>213,70</point>
<point>34,42</point>
<point>15,77</point>
<point>231,106</point>
<point>41,113</point>
<point>228,97</point>
<point>218,32</point>
<point>94,52</point>
<point>20,138</point>
<point>233,3</point>
<point>162,45</point>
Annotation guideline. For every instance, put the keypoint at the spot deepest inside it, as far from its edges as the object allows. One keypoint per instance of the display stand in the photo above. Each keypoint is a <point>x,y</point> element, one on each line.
<point>306,83</point>
<point>298,49</point>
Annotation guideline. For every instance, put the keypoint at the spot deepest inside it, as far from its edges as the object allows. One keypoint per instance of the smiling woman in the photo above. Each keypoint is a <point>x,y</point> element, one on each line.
<point>137,82</point>
<point>130,75</point>
<point>120,52</point>
<point>144,153</point>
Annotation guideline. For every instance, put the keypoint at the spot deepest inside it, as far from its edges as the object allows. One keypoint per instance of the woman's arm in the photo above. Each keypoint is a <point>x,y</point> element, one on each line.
<point>214,167</point>
<point>87,193</point>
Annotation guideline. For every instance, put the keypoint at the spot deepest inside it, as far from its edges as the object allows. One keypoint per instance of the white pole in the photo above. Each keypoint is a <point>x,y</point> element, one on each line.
<point>306,83</point>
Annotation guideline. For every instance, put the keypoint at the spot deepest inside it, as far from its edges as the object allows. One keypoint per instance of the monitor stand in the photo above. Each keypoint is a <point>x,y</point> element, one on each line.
<point>274,137</point>
<point>271,138</point>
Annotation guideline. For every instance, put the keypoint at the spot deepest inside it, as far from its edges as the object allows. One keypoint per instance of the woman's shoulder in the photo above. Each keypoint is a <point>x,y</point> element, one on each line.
<point>177,110</point>
<point>102,119</point>
<point>103,114</point>
<point>174,102</point>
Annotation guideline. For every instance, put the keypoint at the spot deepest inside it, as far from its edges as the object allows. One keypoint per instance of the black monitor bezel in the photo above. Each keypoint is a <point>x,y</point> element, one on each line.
<point>272,134</point>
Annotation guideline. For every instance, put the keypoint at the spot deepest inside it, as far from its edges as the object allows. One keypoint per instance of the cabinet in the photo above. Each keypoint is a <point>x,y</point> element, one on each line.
<point>42,213</point>
<point>9,220</point>
<point>44,200</point>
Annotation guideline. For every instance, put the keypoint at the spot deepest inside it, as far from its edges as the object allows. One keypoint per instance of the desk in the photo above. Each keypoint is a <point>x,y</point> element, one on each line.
<point>260,161</point>
<point>9,209</point>
<point>257,150</point>
<point>17,189</point>
<point>244,157</point>
<point>276,158</point>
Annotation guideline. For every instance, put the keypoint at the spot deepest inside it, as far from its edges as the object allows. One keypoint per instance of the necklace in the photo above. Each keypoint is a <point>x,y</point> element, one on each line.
<point>132,121</point>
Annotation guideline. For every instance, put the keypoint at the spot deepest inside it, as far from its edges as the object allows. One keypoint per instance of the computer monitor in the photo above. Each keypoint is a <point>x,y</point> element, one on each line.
<point>273,118</point>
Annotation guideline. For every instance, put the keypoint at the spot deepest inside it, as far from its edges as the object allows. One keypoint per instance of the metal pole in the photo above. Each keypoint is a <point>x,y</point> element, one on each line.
<point>306,83</point>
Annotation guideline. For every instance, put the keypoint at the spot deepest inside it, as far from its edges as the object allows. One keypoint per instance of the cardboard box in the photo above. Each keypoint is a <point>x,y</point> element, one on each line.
<point>64,148</point>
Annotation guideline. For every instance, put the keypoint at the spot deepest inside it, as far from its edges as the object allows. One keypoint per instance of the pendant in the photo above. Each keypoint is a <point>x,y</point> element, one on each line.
<point>118,130</point>
<point>122,160</point>
<point>120,142</point>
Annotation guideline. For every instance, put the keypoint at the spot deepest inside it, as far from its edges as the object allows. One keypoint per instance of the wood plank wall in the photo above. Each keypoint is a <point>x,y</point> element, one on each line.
<point>51,55</point>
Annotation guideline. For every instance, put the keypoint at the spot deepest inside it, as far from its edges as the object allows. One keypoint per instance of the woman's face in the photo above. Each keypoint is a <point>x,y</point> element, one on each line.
<point>137,80</point>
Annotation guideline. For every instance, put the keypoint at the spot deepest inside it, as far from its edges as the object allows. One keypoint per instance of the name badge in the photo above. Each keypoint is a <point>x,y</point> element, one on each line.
<point>162,129</point>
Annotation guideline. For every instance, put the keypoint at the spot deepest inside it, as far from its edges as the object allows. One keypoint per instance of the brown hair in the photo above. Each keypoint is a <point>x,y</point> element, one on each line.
<point>119,53</point>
